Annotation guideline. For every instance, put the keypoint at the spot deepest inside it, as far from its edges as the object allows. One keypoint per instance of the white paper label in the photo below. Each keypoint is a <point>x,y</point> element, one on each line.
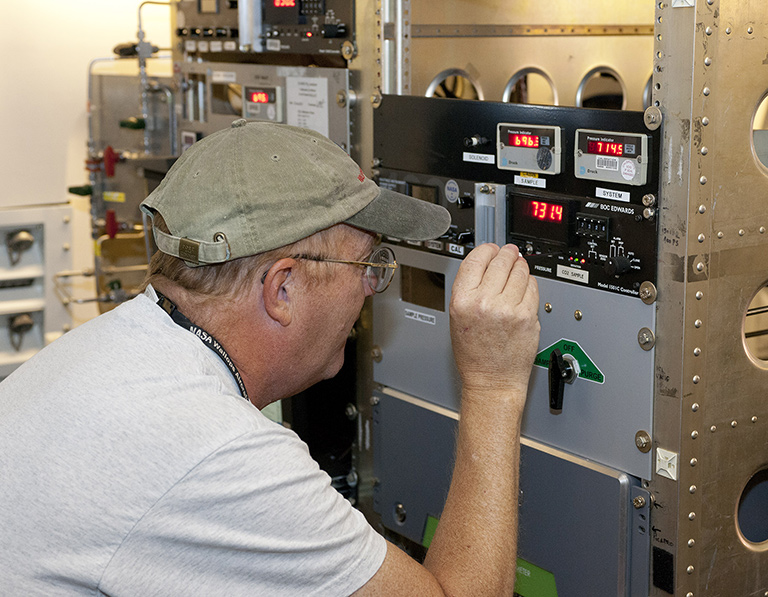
<point>571,273</point>
<point>628,169</point>
<point>603,163</point>
<point>223,76</point>
<point>422,317</point>
<point>308,103</point>
<point>480,158</point>
<point>529,181</point>
<point>612,195</point>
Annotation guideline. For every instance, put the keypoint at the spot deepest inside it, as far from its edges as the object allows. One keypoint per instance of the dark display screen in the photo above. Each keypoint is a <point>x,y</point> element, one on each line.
<point>541,210</point>
<point>604,148</point>
<point>423,192</point>
<point>607,143</point>
<point>539,219</point>
<point>520,140</point>
<point>257,95</point>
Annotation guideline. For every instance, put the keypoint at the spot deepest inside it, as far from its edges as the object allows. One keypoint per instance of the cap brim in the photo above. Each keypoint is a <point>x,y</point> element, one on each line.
<point>400,216</point>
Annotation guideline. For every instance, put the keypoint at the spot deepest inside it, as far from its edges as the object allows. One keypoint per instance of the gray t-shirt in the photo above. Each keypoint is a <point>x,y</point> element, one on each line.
<point>130,465</point>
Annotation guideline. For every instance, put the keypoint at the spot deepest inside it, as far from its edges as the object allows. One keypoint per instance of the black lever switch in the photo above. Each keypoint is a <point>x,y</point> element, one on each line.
<point>563,369</point>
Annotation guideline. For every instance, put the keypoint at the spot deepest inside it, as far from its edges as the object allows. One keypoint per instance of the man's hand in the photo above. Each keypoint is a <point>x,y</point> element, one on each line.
<point>494,322</point>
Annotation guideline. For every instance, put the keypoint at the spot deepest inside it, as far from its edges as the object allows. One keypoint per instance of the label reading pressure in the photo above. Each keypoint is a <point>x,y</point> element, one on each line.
<point>528,148</point>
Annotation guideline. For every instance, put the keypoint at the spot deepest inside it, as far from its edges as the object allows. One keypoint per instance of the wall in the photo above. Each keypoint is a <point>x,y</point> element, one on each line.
<point>46,48</point>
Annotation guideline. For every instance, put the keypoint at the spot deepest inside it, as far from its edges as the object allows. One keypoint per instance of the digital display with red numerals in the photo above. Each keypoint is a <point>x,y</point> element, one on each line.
<point>518,140</point>
<point>539,218</point>
<point>546,212</point>
<point>259,97</point>
<point>605,148</point>
<point>282,3</point>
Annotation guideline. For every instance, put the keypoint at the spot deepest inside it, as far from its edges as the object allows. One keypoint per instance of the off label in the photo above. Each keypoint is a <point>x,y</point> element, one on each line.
<point>589,370</point>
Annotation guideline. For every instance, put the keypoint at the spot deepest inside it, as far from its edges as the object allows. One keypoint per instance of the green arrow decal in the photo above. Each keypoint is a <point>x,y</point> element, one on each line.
<point>532,581</point>
<point>589,370</point>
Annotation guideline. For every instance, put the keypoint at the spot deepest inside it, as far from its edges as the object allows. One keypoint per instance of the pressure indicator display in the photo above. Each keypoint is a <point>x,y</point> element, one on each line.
<point>518,140</point>
<point>542,219</point>
<point>605,148</point>
<point>612,157</point>
<point>260,95</point>
<point>541,210</point>
<point>528,148</point>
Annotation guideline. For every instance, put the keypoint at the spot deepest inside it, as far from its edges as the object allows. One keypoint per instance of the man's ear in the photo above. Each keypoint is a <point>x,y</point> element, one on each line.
<point>278,291</point>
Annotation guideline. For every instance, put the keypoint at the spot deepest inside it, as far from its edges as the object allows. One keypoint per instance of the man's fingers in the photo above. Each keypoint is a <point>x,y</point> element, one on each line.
<point>472,269</point>
<point>517,281</point>
<point>499,269</point>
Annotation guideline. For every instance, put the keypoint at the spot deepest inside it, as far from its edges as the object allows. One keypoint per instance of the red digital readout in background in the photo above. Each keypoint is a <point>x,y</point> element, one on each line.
<point>604,148</point>
<point>517,140</point>
<point>286,3</point>
<point>548,212</point>
<point>259,97</point>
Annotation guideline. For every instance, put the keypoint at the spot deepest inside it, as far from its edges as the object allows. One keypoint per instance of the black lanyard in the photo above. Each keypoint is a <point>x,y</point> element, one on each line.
<point>179,318</point>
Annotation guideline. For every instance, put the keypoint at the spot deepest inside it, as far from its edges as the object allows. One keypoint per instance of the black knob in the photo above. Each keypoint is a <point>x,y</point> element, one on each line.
<point>559,371</point>
<point>475,141</point>
<point>465,202</point>
<point>615,266</point>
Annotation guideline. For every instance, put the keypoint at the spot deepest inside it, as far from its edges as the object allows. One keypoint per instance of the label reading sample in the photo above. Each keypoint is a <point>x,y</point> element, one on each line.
<point>571,273</point>
<point>527,181</point>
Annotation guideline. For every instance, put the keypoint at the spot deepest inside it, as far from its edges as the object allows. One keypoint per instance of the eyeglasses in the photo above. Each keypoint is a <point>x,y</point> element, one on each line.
<point>379,269</point>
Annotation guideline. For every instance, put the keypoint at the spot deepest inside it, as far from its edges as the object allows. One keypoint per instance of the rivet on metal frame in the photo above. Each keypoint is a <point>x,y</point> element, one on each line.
<point>646,339</point>
<point>643,441</point>
<point>652,118</point>
<point>648,293</point>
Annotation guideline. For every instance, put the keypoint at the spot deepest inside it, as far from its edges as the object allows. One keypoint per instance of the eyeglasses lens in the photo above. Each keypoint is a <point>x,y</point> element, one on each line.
<point>379,278</point>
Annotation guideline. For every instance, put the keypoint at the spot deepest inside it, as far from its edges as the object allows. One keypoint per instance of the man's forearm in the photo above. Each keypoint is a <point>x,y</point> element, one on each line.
<point>474,548</point>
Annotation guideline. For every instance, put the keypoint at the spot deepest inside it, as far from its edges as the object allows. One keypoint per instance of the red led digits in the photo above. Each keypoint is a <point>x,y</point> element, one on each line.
<point>605,148</point>
<point>259,97</point>
<point>284,3</point>
<point>548,212</point>
<point>517,140</point>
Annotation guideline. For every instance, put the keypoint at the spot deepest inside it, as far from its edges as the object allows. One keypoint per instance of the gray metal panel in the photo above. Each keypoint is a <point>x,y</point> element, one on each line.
<point>414,444</point>
<point>416,356</point>
<point>710,404</point>
<point>262,75</point>
<point>575,515</point>
<point>598,421</point>
<point>574,521</point>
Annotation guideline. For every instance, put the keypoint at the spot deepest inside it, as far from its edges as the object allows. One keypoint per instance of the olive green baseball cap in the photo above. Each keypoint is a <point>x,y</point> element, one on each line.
<point>257,186</point>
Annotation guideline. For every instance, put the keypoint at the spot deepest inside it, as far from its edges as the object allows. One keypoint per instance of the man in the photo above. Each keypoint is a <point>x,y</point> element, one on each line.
<point>135,459</point>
